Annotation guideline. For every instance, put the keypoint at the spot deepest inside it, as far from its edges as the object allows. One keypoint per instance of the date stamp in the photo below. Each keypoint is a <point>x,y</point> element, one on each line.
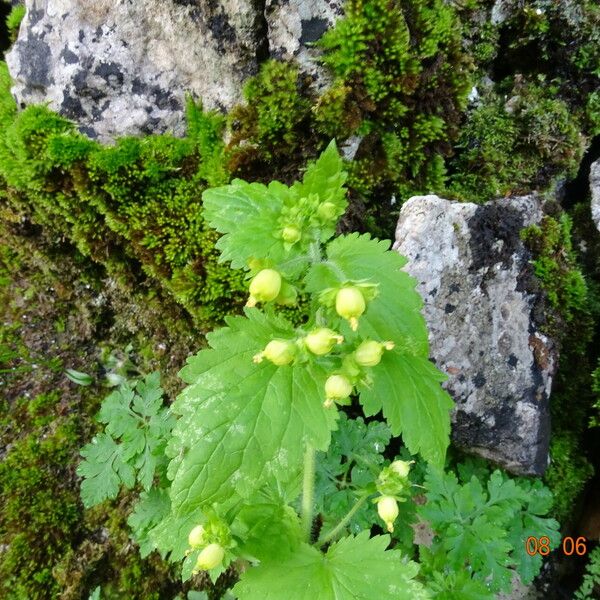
<point>570,546</point>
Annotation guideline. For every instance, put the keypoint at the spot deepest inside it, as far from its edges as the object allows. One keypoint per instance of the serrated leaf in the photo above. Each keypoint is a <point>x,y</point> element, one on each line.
<point>414,404</point>
<point>268,531</point>
<point>263,415</point>
<point>247,214</point>
<point>150,509</point>
<point>395,313</point>
<point>251,215</point>
<point>404,384</point>
<point>104,469</point>
<point>355,568</point>
<point>325,178</point>
<point>170,536</point>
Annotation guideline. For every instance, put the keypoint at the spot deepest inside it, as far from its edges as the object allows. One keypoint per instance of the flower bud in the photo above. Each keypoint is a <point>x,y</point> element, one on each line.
<point>387,507</point>
<point>321,341</point>
<point>326,211</point>
<point>291,234</point>
<point>196,537</point>
<point>350,304</point>
<point>212,556</point>
<point>279,352</point>
<point>369,353</point>
<point>337,387</point>
<point>264,287</point>
<point>401,467</point>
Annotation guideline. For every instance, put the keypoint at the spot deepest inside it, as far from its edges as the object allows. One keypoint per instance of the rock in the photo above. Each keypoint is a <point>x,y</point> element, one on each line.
<point>475,279</point>
<point>293,25</point>
<point>120,67</point>
<point>595,190</point>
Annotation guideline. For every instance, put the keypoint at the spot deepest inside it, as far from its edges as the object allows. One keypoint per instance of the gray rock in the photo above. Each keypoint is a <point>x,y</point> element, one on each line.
<point>595,190</point>
<point>119,67</point>
<point>293,26</point>
<point>474,276</point>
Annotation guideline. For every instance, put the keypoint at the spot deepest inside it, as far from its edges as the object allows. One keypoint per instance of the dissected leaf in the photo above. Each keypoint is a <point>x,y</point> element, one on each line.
<point>151,508</point>
<point>132,447</point>
<point>355,568</point>
<point>486,527</point>
<point>104,469</point>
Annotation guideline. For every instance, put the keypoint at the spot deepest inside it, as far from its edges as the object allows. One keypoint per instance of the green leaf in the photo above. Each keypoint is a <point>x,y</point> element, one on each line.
<point>251,216</point>
<point>352,462</point>
<point>486,527</point>
<point>247,215</point>
<point>404,384</point>
<point>355,568</point>
<point>530,522</point>
<point>395,314</point>
<point>170,536</point>
<point>95,595</point>
<point>414,404</point>
<point>150,509</point>
<point>240,422</point>
<point>325,178</point>
<point>268,531</point>
<point>104,469</point>
<point>79,377</point>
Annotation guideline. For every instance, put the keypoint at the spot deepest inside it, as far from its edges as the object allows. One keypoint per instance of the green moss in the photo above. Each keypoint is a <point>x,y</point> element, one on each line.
<point>567,475</point>
<point>570,321</point>
<point>510,147</point>
<point>13,21</point>
<point>40,514</point>
<point>137,203</point>
<point>555,265</point>
<point>271,125</point>
<point>400,66</point>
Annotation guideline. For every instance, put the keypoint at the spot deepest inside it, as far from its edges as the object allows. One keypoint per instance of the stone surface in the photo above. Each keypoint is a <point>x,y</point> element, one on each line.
<point>293,26</point>
<point>120,67</point>
<point>474,276</point>
<point>595,190</point>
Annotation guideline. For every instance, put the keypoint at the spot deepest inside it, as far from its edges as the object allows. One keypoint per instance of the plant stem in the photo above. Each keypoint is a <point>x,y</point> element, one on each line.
<point>329,536</point>
<point>308,491</point>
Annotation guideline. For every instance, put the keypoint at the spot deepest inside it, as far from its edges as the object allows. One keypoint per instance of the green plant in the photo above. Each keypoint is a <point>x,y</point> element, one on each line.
<point>267,473</point>
<point>555,265</point>
<point>591,580</point>
<point>481,524</point>
<point>131,205</point>
<point>13,21</point>
<point>399,65</point>
<point>511,146</point>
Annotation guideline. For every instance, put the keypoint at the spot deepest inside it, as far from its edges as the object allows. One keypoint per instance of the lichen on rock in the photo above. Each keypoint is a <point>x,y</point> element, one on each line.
<point>472,271</point>
<point>124,68</point>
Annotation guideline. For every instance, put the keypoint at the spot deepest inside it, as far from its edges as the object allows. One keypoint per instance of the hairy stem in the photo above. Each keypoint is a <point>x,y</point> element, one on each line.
<point>308,490</point>
<point>331,534</point>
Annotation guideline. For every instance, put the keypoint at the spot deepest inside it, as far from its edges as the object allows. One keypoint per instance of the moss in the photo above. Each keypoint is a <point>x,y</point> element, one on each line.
<point>271,126</point>
<point>400,66</point>
<point>135,204</point>
<point>40,515</point>
<point>567,475</point>
<point>13,21</point>
<point>570,321</point>
<point>555,265</point>
<point>510,147</point>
